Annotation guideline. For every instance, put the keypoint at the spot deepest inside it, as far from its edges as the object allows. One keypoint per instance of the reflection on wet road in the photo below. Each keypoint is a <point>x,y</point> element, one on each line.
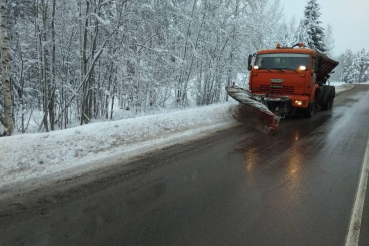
<point>237,187</point>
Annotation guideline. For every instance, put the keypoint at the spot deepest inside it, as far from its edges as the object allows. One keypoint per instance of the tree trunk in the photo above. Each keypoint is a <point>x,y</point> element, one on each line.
<point>45,66</point>
<point>83,60</point>
<point>52,85</point>
<point>8,116</point>
<point>112,103</point>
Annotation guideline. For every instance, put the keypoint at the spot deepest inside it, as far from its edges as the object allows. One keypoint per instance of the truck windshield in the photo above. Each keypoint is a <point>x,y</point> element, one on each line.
<point>288,61</point>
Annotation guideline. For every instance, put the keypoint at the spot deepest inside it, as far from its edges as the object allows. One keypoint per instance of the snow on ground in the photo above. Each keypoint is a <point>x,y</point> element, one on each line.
<point>27,156</point>
<point>2,129</point>
<point>342,86</point>
<point>365,83</point>
<point>81,149</point>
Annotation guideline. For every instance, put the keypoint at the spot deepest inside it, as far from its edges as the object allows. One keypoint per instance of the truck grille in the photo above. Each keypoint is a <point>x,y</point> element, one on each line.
<point>280,89</point>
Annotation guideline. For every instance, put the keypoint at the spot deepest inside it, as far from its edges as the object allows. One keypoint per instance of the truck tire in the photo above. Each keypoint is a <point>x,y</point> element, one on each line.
<point>331,101</point>
<point>325,105</point>
<point>310,110</point>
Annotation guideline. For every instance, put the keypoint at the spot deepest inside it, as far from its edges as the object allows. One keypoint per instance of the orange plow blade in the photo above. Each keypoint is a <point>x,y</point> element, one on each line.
<point>253,112</point>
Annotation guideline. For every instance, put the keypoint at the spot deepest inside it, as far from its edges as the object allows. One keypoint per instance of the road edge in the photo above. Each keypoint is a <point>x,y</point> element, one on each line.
<point>353,235</point>
<point>344,89</point>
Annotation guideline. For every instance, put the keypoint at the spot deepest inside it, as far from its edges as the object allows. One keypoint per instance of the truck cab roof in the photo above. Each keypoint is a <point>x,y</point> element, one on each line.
<point>327,65</point>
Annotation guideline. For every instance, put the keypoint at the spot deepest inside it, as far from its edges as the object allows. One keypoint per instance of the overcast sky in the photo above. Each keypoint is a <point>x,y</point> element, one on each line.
<point>349,18</point>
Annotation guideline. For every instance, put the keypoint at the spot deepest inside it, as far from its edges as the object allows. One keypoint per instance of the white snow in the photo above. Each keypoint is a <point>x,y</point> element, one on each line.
<point>101,20</point>
<point>364,83</point>
<point>2,129</point>
<point>32,157</point>
<point>342,86</point>
<point>27,156</point>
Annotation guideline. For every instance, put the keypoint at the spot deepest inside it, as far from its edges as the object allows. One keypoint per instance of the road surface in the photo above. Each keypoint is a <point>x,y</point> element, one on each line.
<point>236,187</point>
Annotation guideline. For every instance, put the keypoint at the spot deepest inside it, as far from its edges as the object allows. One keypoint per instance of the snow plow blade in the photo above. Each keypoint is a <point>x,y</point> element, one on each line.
<point>252,111</point>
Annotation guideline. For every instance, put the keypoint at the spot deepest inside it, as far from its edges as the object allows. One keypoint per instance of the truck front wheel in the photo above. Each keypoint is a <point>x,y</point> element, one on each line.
<point>309,111</point>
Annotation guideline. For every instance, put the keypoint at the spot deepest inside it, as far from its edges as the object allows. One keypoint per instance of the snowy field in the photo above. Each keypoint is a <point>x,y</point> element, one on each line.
<point>38,158</point>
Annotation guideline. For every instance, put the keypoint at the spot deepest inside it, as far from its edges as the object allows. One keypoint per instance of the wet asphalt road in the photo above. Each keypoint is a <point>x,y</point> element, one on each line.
<point>237,187</point>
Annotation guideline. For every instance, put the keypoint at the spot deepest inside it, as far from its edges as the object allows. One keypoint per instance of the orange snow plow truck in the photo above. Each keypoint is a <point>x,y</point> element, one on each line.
<point>286,80</point>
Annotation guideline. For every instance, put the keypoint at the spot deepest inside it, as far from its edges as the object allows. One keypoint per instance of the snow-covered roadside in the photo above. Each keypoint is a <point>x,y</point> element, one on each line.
<point>28,156</point>
<point>35,158</point>
<point>364,83</point>
<point>342,86</point>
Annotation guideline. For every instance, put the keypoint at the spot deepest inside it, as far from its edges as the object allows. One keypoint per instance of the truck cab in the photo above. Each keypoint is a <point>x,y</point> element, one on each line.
<point>287,79</point>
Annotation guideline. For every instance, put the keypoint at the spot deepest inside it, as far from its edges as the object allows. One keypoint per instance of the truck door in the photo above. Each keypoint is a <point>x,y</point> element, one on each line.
<point>313,85</point>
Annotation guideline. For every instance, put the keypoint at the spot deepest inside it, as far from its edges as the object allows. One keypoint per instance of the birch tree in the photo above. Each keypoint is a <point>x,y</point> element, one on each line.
<point>8,116</point>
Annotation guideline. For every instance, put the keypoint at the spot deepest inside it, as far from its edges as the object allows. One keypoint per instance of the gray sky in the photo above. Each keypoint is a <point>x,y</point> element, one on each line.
<point>349,18</point>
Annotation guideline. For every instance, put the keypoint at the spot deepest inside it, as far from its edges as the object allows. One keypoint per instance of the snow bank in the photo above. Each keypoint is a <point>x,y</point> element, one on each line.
<point>2,129</point>
<point>342,86</point>
<point>364,83</point>
<point>30,155</point>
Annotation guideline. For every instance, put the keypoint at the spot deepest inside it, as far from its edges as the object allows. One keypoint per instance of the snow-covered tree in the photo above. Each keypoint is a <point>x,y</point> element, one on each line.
<point>302,35</point>
<point>354,67</point>
<point>86,60</point>
<point>265,23</point>
<point>358,71</point>
<point>354,70</point>
<point>310,32</point>
<point>289,30</point>
<point>347,60</point>
<point>363,66</point>
<point>337,75</point>
<point>365,77</point>
<point>329,40</point>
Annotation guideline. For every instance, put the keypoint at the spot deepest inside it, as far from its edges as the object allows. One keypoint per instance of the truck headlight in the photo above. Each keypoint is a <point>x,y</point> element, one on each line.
<point>299,103</point>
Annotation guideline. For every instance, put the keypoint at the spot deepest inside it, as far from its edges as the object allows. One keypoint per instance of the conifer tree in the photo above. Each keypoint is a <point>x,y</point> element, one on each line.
<point>363,66</point>
<point>346,65</point>
<point>354,70</point>
<point>311,24</point>
<point>329,40</point>
<point>302,35</point>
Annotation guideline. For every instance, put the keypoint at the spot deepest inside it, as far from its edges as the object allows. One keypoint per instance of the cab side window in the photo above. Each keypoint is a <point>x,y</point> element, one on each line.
<point>313,65</point>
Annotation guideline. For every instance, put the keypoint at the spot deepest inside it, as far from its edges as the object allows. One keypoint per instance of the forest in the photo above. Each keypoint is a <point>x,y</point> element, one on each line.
<point>72,62</point>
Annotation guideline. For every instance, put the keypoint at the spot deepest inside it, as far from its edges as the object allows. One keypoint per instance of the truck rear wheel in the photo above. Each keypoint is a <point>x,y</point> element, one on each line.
<point>327,105</point>
<point>331,101</point>
<point>310,110</point>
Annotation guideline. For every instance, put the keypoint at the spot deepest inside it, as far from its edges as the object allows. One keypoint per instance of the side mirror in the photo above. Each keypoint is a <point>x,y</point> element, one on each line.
<point>249,66</point>
<point>318,64</point>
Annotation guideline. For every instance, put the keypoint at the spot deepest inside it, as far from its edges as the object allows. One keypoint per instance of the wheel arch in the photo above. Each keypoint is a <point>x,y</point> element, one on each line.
<point>314,91</point>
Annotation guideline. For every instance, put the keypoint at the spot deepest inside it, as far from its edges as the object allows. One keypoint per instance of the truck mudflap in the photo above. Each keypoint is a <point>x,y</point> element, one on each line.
<point>253,111</point>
